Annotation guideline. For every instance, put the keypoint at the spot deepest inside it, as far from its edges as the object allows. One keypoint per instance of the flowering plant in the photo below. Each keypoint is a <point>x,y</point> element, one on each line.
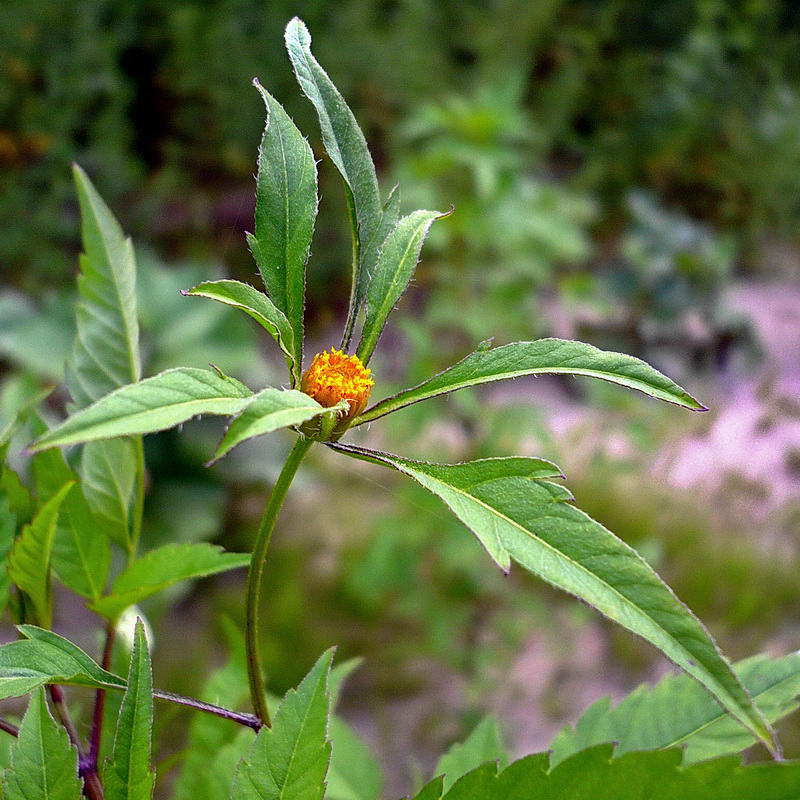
<point>74,518</point>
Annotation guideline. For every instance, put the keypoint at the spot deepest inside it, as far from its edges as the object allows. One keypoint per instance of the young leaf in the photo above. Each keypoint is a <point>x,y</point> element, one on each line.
<point>286,207</point>
<point>45,657</point>
<point>154,404</point>
<point>678,712</point>
<point>29,560</point>
<point>164,567</point>
<point>484,744</point>
<point>347,148</point>
<point>544,356</point>
<point>44,765</point>
<point>289,761</point>
<point>526,520</point>
<point>128,775</point>
<point>269,410</point>
<point>396,263</point>
<point>258,306</point>
<point>106,351</point>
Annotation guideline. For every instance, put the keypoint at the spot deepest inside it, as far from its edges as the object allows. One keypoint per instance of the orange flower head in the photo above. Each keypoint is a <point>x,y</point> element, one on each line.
<point>334,376</point>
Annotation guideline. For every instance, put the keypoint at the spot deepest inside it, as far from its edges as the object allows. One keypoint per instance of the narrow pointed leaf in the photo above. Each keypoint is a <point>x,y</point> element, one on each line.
<point>44,765</point>
<point>396,263</point>
<point>347,148</point>
<point>289,761</point>
<point>29,560</point>
<point>286,207</point>
<point>128,775</point>
<point>164,567</point>
<point>258,306</point>
<point>484,744</point>
<point>544,356</point>
<point>522,518</point>
<point>390,216</point>
<point>268,411</point>
<point>154,404</point>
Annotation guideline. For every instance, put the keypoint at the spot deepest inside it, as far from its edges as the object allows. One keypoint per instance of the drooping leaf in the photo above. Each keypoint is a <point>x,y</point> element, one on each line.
<point>164,567</point>
<point>544,356</point>
<point>484,744</point>
<point>8,529</point>
<point>128,774</point>
<point>396,263</point>
<point>258,306</point>
<point>286,207</point>
<point>289,761</point>
<point>678,712</point>
<point>268,411</point>
<point>355,773</point>
<point>527,520</point>
<point>29,560</point>
<point>154,404</point>
<point>347,148</point>
<point>45,657</point>
<point>106,351</point>
<point>44,765</point>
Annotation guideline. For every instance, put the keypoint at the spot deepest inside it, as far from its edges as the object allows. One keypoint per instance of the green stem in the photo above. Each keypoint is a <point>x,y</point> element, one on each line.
<point>138,507</point>
<point>255,671</point>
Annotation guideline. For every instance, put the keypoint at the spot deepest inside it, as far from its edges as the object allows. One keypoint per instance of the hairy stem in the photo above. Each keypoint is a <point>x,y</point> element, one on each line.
<point>255,671</point>
<point>249,720</point>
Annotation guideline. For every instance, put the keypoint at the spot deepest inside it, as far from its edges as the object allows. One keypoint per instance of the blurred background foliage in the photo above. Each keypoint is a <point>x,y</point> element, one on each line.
<point>624,172</point>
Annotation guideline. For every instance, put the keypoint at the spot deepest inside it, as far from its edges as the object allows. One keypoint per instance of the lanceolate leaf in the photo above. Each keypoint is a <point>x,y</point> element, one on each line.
<point>398,258</point>
<point>289,761</point>
<point>164,567</point>
<point>258,306</point>
<point>269,410</point>
<point>389,219</point>
<point>484,744</point>
<point>526,520</point>
<point>678,712</point>
<point>347,148</point>
<point>154,404</point>
<point>544,356</point>
<point>286,207</point>
<point>128,775</point>
<point>44,765</point>
<point>29,560</point>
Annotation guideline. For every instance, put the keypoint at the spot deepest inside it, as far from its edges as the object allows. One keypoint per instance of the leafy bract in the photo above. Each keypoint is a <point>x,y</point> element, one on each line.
<point>269,410</point>
<point>678,712</point>
<point>544,356</point>
<point>347,148</point>
<point>45,657</point>
<point>29,560</point>
<point>44,765</point>
<point>286,207</point>
<point>289,761</point>
<point>258,306</point>
<point>128,775</point>
<point>398,258</point>
<point>519,517</point>
<point>164,567</point>
<point>484,744</point>
<point>154,404</point>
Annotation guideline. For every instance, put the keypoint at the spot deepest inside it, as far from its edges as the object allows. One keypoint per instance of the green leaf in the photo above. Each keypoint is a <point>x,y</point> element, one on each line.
<point>81,553</point>
<point>11,485</point>
<point>544,356</point>
<point>286,207</point>
<point>154,404</point>
<point>485,743</point>
<point>678,712</point>
<point>8,529</point>
<point>396,263</point>
<point>354,773</point>
<point>268,411</point>
<point>45,657</point>
<point>164,567</point>
<point>29,560</point>
<point>432,791</point>
<point>347,148</point>
<point>44,765</point>
<point>128,774</point>
<point>289,761</point>
<point>106,351</point>
<point>527,520</point>
<point>258,306</point>
<point>390,216</point>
